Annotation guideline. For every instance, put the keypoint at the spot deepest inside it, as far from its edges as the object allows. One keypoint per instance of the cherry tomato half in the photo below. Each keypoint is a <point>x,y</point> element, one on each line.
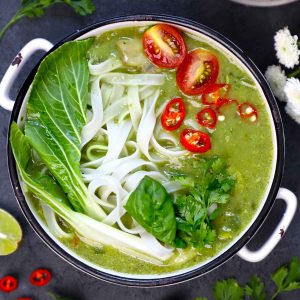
<point>207,118</point>
<point>198,73</point>
<point>195,140</point>
<point>173,114</point>
<point>247,111</point>
<point>8,284</point>
<point>164,46</point>
<point>40,277</point>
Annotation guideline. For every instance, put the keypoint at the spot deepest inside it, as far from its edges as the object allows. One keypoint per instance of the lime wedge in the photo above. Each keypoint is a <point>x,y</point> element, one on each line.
<point>10,233</point>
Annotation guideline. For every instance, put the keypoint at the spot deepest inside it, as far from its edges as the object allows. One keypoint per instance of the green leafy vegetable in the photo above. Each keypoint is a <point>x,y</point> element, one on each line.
<point>285,279</point>
<point>207,183</point>
<point>50,193</point>
<point>36,8</point>
<point>152,207</point>
<point>228,290</point>
<point>256,289</point>
<point>56,114</point>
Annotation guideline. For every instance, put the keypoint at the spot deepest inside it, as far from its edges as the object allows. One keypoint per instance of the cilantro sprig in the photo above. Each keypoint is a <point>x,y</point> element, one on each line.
<point>206,184</point>
<point>285,279</point>
<point>36,8</point>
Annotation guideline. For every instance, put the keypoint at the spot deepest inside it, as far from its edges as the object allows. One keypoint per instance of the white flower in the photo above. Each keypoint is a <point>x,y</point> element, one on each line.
<point>293,111</point>
<point>292,91</point>
<point>277,80</point>
<point>286,48</point>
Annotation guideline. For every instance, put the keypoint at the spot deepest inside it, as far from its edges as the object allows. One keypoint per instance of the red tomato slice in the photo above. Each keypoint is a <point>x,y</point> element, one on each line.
<point>8,284</point>
<point>198,73</point>
<point>164,46</point>
<point>195,140</point>
<point>173,114</point>
<point>207,118</point>
<point>40,277</point>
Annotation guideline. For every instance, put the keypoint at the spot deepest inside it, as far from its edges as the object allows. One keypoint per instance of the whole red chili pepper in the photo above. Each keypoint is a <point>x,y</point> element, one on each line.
<point>8,284</point>
<point>40,277</point>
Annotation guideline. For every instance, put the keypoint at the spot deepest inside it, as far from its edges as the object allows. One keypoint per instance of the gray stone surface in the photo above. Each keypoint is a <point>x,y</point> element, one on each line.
<point>250,28</point>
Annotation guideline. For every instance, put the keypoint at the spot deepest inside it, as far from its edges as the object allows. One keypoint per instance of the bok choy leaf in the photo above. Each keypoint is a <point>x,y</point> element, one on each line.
<point>50,193</point>
<point>56,114</point>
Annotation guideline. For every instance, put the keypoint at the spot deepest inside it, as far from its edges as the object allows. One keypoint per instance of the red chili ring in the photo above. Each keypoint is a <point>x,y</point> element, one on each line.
<point>207,118</point>
<point>8,284</point>
<point>242,111</point>
<point>40,277</point>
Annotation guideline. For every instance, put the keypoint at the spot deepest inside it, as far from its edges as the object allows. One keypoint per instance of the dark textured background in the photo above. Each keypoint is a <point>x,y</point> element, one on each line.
<point>252,29</point>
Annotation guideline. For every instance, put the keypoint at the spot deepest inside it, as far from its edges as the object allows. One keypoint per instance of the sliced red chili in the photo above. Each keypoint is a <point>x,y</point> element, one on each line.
<point>224,102</point>
<point>25,298</point>
<point>216,96</point>
<point>40,277</point>
<point>247,111</point>
<point>195,140</point>
<point>8,284</point>
<point>173,114</point>
<point>207,117</point>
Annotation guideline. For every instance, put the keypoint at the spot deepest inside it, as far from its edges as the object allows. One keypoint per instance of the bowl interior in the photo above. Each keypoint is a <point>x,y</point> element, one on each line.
<point>237,57</point>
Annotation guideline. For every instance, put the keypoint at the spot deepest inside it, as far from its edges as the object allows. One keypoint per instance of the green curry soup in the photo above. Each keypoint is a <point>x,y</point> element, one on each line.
<point>243,144</point>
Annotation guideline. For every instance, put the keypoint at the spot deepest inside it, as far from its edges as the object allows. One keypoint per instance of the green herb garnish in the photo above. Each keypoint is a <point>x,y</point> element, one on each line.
<point>207,183</point>
<point>36,9</point>
<point>285,279</point>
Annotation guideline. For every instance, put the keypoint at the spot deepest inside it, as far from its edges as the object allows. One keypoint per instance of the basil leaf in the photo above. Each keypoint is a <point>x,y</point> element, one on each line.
<point>152,207</point>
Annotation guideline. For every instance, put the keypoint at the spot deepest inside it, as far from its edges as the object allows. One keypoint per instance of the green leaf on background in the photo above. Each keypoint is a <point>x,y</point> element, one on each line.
<point>36,9</point>
<point>287,279</point>
<point>152,207</point>
<point>228,290</point>
<point>58,297</point>
<point>256,289</point>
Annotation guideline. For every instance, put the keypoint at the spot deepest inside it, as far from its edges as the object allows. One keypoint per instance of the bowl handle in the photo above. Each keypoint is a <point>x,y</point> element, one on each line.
<point>291,205</point>
<point>15,68</point>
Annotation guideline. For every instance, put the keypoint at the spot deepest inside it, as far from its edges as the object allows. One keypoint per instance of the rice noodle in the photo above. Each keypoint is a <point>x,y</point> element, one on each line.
<point>133,79</point>
<point>104,67</point>
<point>94,125</point>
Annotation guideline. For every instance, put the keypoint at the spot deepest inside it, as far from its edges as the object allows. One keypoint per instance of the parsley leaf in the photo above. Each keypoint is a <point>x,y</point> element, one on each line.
<point>36,9</point>
<point>287,279</point>
<point>228,290</point>
<point>206,184</point>
<point>256,289</point>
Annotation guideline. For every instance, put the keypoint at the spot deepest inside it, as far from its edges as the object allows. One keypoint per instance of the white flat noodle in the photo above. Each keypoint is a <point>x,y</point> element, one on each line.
<point>109,167</point>
<point>106,90</point>
<point>105,66</point>
<point>132,180</point>
<point>133,79</point>
<point>163,136</point>
<point>155,245</point>
<point>131,165</point>
<point>117,135</point>
<point>167,152</point>
<point>114,110</point>
<point>52,222</point>
<point>146,127</point>
<point>94,125</point>
<point>146,91</point>
<point>134,105</point>
<point>117,93</point>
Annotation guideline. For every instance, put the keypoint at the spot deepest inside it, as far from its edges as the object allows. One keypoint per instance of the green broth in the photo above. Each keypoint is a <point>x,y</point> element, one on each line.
<point>247,148</point>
